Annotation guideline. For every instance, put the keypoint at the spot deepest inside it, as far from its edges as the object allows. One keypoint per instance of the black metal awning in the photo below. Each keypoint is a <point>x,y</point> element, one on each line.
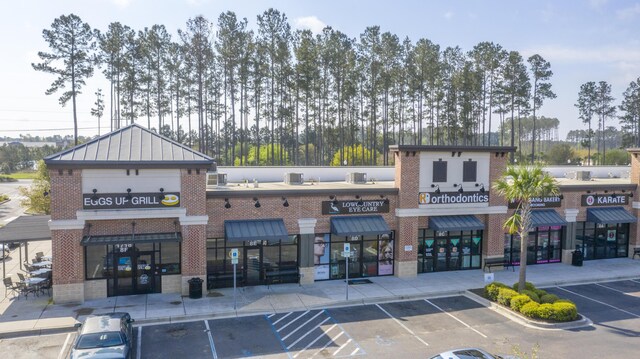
<point>465,222</point>
<point>131,238</point>
<point>546,217</point>
<point>255,230</point>
<point>611,215</point>
<point>359,225</point>
<point>26,229</point>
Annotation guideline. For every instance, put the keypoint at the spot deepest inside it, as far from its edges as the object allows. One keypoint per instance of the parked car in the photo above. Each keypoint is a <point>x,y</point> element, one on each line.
<point>470,353</point>
<point>4,251</point>
<point>104,336</point>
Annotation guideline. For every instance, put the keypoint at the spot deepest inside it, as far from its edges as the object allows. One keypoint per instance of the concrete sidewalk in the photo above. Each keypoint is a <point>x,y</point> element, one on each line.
<point>32,316</point>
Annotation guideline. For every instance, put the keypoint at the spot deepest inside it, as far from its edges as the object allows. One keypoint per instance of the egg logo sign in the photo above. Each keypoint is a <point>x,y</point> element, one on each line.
<point>170,200</point>
<point>590,200</point>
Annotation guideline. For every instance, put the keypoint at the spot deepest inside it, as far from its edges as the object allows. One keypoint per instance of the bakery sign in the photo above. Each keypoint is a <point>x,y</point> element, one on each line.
<point>540,202</point>
<point>355,207</point>
<point>130,200</point>
<point>589,200</point>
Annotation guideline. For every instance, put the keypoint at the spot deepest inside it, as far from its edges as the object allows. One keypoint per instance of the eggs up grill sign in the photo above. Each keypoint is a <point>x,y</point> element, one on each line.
<point>130,200</point>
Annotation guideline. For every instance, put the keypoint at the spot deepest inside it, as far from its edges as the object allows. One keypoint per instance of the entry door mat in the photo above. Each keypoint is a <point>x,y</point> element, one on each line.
<point>359,281</point>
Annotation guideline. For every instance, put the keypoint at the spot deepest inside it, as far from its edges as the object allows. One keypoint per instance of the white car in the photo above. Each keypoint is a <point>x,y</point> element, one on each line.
<point>470,353</point>
<point>4,251</point>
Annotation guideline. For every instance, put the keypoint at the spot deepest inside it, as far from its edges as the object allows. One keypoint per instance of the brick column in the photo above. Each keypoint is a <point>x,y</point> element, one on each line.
<point>406,262</point>
<point>194,234</point>
<point>68,264</point>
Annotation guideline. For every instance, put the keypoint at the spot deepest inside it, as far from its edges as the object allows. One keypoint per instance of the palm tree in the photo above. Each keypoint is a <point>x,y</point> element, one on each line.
<point>520,184</point>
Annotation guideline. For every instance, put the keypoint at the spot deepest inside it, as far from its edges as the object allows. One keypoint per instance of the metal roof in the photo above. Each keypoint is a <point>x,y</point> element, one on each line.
<point>255,230</point>
<point>611,215</point>
<point>26,228</point>
<point>546,217</point>
<point>455,223</point>
<point>359,225</point>
<point>132,145</point>
<point>131,238</point>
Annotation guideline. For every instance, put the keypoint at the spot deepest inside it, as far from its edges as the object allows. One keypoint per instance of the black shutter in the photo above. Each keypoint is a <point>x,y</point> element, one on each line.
<point>469,171</point>
<point>440,171</point>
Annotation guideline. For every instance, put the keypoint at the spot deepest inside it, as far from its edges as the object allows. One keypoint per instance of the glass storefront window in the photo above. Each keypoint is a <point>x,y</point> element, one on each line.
<point>445,251</point>
<point>97,265</point>
<point>598,240</point>
<point>544,245</point>
<point>170,258</point>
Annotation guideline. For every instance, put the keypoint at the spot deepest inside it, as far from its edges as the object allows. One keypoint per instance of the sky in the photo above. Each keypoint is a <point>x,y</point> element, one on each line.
<point>584,40</point>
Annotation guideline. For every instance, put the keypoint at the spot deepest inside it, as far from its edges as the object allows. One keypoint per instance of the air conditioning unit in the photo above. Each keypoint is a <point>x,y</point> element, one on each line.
<point>583,175</point>
<point>293,178</point>
<point>357,177</point>
<point>215,179</point>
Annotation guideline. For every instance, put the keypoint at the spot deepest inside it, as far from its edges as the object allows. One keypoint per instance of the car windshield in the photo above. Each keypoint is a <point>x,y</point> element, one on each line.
<point>99,340</point>
<point>470,354</point>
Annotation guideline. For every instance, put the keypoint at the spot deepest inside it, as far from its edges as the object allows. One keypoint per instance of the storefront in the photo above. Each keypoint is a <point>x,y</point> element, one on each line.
<point>605,234</point>
<point>544,244</point>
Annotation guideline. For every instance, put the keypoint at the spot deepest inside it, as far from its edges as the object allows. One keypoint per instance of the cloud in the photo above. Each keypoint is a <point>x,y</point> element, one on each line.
<point>597,4</point>
<point>448,15</point>
<point>310,22</point>
<point>629,13</point>
<point>122,3</point>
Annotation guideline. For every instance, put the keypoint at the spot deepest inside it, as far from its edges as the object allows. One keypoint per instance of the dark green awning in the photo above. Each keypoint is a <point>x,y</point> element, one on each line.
<point>546,217</point>
<point>455,223</point>
<point>611,215</point>
<point>359,225</point>
<point>128,238</point>
<point>255,230</point>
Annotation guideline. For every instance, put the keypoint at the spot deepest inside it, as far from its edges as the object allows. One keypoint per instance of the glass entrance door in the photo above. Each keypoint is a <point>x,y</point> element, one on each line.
<point>136,273</point>
<point>253,265</point>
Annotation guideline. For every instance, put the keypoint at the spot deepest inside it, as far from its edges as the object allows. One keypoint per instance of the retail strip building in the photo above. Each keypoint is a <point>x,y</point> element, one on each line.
<point>133,212</point>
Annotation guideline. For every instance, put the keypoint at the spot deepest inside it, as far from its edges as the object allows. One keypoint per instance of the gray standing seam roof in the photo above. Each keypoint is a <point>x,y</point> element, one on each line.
<point>130,145</point>
<point>359,225</point>
<point>26,228</point>
<point>255,230</point>
<point>465,222</point>
<point>546,217</point>
<point>611,215</point>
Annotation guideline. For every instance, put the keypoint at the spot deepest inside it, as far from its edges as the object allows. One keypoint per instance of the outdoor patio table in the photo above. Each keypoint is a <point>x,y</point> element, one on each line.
<point>40,272</point>
<point>42,264</point>
<point>34,281</point>
<point>46,258</point>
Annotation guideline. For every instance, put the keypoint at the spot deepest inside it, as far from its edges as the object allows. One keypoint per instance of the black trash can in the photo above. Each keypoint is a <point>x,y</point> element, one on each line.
<point>577,258</point>
<point>195,288</point>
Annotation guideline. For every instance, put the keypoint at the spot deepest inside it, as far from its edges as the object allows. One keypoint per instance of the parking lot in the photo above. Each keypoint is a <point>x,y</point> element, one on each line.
<point>417,328</point>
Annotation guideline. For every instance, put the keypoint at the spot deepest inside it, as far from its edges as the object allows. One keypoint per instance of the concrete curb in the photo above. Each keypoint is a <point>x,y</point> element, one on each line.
<point>528,322</point>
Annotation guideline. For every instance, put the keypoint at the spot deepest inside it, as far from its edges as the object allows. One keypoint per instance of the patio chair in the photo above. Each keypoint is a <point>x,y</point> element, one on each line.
<point>26,289</point>
<point>21,276</point>
<point>11,287</point>
<point>45,285</point>
<point>28,267</point>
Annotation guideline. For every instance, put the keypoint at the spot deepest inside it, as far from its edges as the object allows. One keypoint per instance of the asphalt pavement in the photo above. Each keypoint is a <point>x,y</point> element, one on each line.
<point>38,315</point>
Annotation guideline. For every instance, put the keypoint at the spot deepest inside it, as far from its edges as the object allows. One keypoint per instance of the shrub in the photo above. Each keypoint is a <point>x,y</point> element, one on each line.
<point>529,309</point>
<point>491,290</point>
<point>565,301</point>
<point>564,312</point>
<point>518,301</point>
<point>549,298</point>
<point>544,311</point>
<point>527,286</point>
<point>534,297</point>
<point>540,292</point>
<point>505,295</point>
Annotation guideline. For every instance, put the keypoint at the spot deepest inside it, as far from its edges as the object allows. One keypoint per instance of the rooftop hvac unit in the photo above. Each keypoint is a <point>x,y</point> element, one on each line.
<point>293,178</point>
<point>215,179</point>
<point>583,175</point>
<point>357,177</point>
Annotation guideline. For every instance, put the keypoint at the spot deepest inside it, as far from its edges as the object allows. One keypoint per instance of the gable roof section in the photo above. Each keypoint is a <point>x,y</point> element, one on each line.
<point>131,146</point>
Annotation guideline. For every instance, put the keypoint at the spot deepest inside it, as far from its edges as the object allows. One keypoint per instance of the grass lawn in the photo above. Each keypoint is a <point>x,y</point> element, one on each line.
<point>23,175</point>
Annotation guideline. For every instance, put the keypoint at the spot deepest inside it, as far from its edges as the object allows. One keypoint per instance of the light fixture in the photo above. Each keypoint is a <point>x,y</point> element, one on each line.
<point>561,196</point>
<point>161,196</point>
<point>285,203</point>
<point>437,187</point>
<point>453,153</point>
<point>95,194</point>
<point>459,153</point>
<point>460,190</point>
<point>334,200</point>
<point>227,205</point>
<point>257,203</point>
<point>129,193</point>
<point>481,185</point>
<point>360,202</point>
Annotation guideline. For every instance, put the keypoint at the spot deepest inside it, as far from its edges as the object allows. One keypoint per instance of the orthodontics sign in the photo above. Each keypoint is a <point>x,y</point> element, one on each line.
<point>137,200</point>
<point>453,197</point>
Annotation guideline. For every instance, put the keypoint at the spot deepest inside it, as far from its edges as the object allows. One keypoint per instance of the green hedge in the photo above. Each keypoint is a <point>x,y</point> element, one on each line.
<point>527,286</point>
<point>532,302</point>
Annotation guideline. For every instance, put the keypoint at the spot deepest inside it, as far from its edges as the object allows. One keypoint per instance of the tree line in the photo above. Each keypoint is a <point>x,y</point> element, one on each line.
<point>275,96</point>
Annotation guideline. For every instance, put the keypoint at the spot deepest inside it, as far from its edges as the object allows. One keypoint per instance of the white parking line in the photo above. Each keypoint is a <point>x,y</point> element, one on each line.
<point>452,316</point>
<point>315,340</point>
<point>64,346</point>
<point>307,333</point>
<point>329,342</point>
<point>213,346</point>
<point>300,326</point>
<point>615,290</point>
<point>603,303</point>
<point>402,325</point>
<point>291,322</point>
<point>139,343</point>
<point>342,347</point>
<point>284,316</point>
<point>636,281</point>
